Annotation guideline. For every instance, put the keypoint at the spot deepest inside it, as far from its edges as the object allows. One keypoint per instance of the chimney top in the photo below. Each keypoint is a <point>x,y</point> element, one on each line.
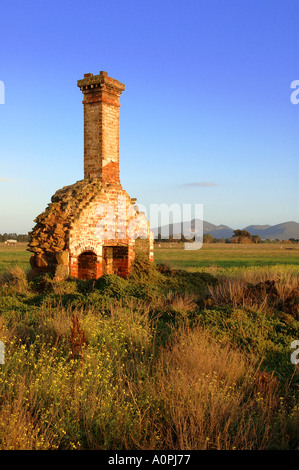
<point>91,81</point>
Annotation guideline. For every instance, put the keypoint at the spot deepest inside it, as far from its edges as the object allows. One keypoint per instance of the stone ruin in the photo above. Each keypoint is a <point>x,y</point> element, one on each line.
<point>92,227</point>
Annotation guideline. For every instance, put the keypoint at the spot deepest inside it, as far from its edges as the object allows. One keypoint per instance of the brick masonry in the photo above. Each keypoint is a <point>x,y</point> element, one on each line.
<point>101,126</point>
<point>90,228</point>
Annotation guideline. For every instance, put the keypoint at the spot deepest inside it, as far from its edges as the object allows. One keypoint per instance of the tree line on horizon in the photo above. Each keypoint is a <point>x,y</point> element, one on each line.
<point>239,236</point>
<point>14,236</point>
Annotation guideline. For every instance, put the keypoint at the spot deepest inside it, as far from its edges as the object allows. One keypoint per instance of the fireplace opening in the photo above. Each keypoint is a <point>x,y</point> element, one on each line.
<point>116,260</point>
<point>87,265</point>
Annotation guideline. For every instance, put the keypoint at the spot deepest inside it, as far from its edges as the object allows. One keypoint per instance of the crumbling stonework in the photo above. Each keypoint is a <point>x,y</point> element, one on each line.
<point>89,228</point>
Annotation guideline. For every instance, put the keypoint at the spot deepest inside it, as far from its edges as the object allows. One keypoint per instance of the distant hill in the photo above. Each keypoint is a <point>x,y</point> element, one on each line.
<point>219,231</point>
<point>254,228</point>
<point>282,231</point>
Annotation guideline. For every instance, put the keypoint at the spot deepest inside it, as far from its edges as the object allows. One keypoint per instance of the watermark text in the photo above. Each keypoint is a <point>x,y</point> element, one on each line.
<point>295,94</point>
<point>2,92</point>
<point>131,222</point>
<point>1,352</point>
<point>295,354</point>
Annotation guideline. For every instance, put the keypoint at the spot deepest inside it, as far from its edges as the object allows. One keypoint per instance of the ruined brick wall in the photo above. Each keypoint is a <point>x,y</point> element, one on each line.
<point>88,217</point>
<point>102,225</point>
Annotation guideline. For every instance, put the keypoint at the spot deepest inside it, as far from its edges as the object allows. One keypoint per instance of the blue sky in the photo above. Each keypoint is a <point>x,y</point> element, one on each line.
<point>206,117</point>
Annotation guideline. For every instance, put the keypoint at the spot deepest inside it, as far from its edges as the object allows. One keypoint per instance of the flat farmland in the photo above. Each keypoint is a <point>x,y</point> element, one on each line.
<point>211,257</point>
<point>222,256</point>
<point>11,256</point>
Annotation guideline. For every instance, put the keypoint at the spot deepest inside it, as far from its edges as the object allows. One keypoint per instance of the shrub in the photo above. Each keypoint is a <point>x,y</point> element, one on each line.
<point>42,283</point>
<point>164,268</point>
<point>142,268</point>
<point>68,286</point>
<point>111,285</point>
<point>191,282</point>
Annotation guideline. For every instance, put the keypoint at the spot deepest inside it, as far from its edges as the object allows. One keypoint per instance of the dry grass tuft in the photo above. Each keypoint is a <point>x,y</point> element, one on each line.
<point>16,278</point>
<point>212,397</point>
<point>263,291</point>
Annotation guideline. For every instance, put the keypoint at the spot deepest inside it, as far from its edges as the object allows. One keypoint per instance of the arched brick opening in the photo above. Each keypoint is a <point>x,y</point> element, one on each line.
<point>87,265</point>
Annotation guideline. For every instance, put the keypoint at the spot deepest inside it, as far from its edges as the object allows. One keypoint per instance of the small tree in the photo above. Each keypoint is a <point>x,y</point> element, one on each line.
<point>208,238</point>
<point>241,236</point>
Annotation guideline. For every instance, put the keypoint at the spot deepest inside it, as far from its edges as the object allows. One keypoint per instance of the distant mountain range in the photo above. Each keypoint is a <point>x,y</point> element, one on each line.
<point>282,231</point>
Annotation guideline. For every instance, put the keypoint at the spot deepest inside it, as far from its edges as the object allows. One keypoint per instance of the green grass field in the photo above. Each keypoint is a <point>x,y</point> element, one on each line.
<point>222,259</point>
<point>228,255</point>
<point>218,256</point>
<point>14,256</point>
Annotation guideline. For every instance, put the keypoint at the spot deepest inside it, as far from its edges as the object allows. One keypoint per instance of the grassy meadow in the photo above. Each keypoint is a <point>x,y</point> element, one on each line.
<point>190,354</point>
<point>11,256</point>
<point>228,256</point>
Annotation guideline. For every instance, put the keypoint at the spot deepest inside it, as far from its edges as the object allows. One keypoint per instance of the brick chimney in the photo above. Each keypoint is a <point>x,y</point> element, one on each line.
<point>101,126</point>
